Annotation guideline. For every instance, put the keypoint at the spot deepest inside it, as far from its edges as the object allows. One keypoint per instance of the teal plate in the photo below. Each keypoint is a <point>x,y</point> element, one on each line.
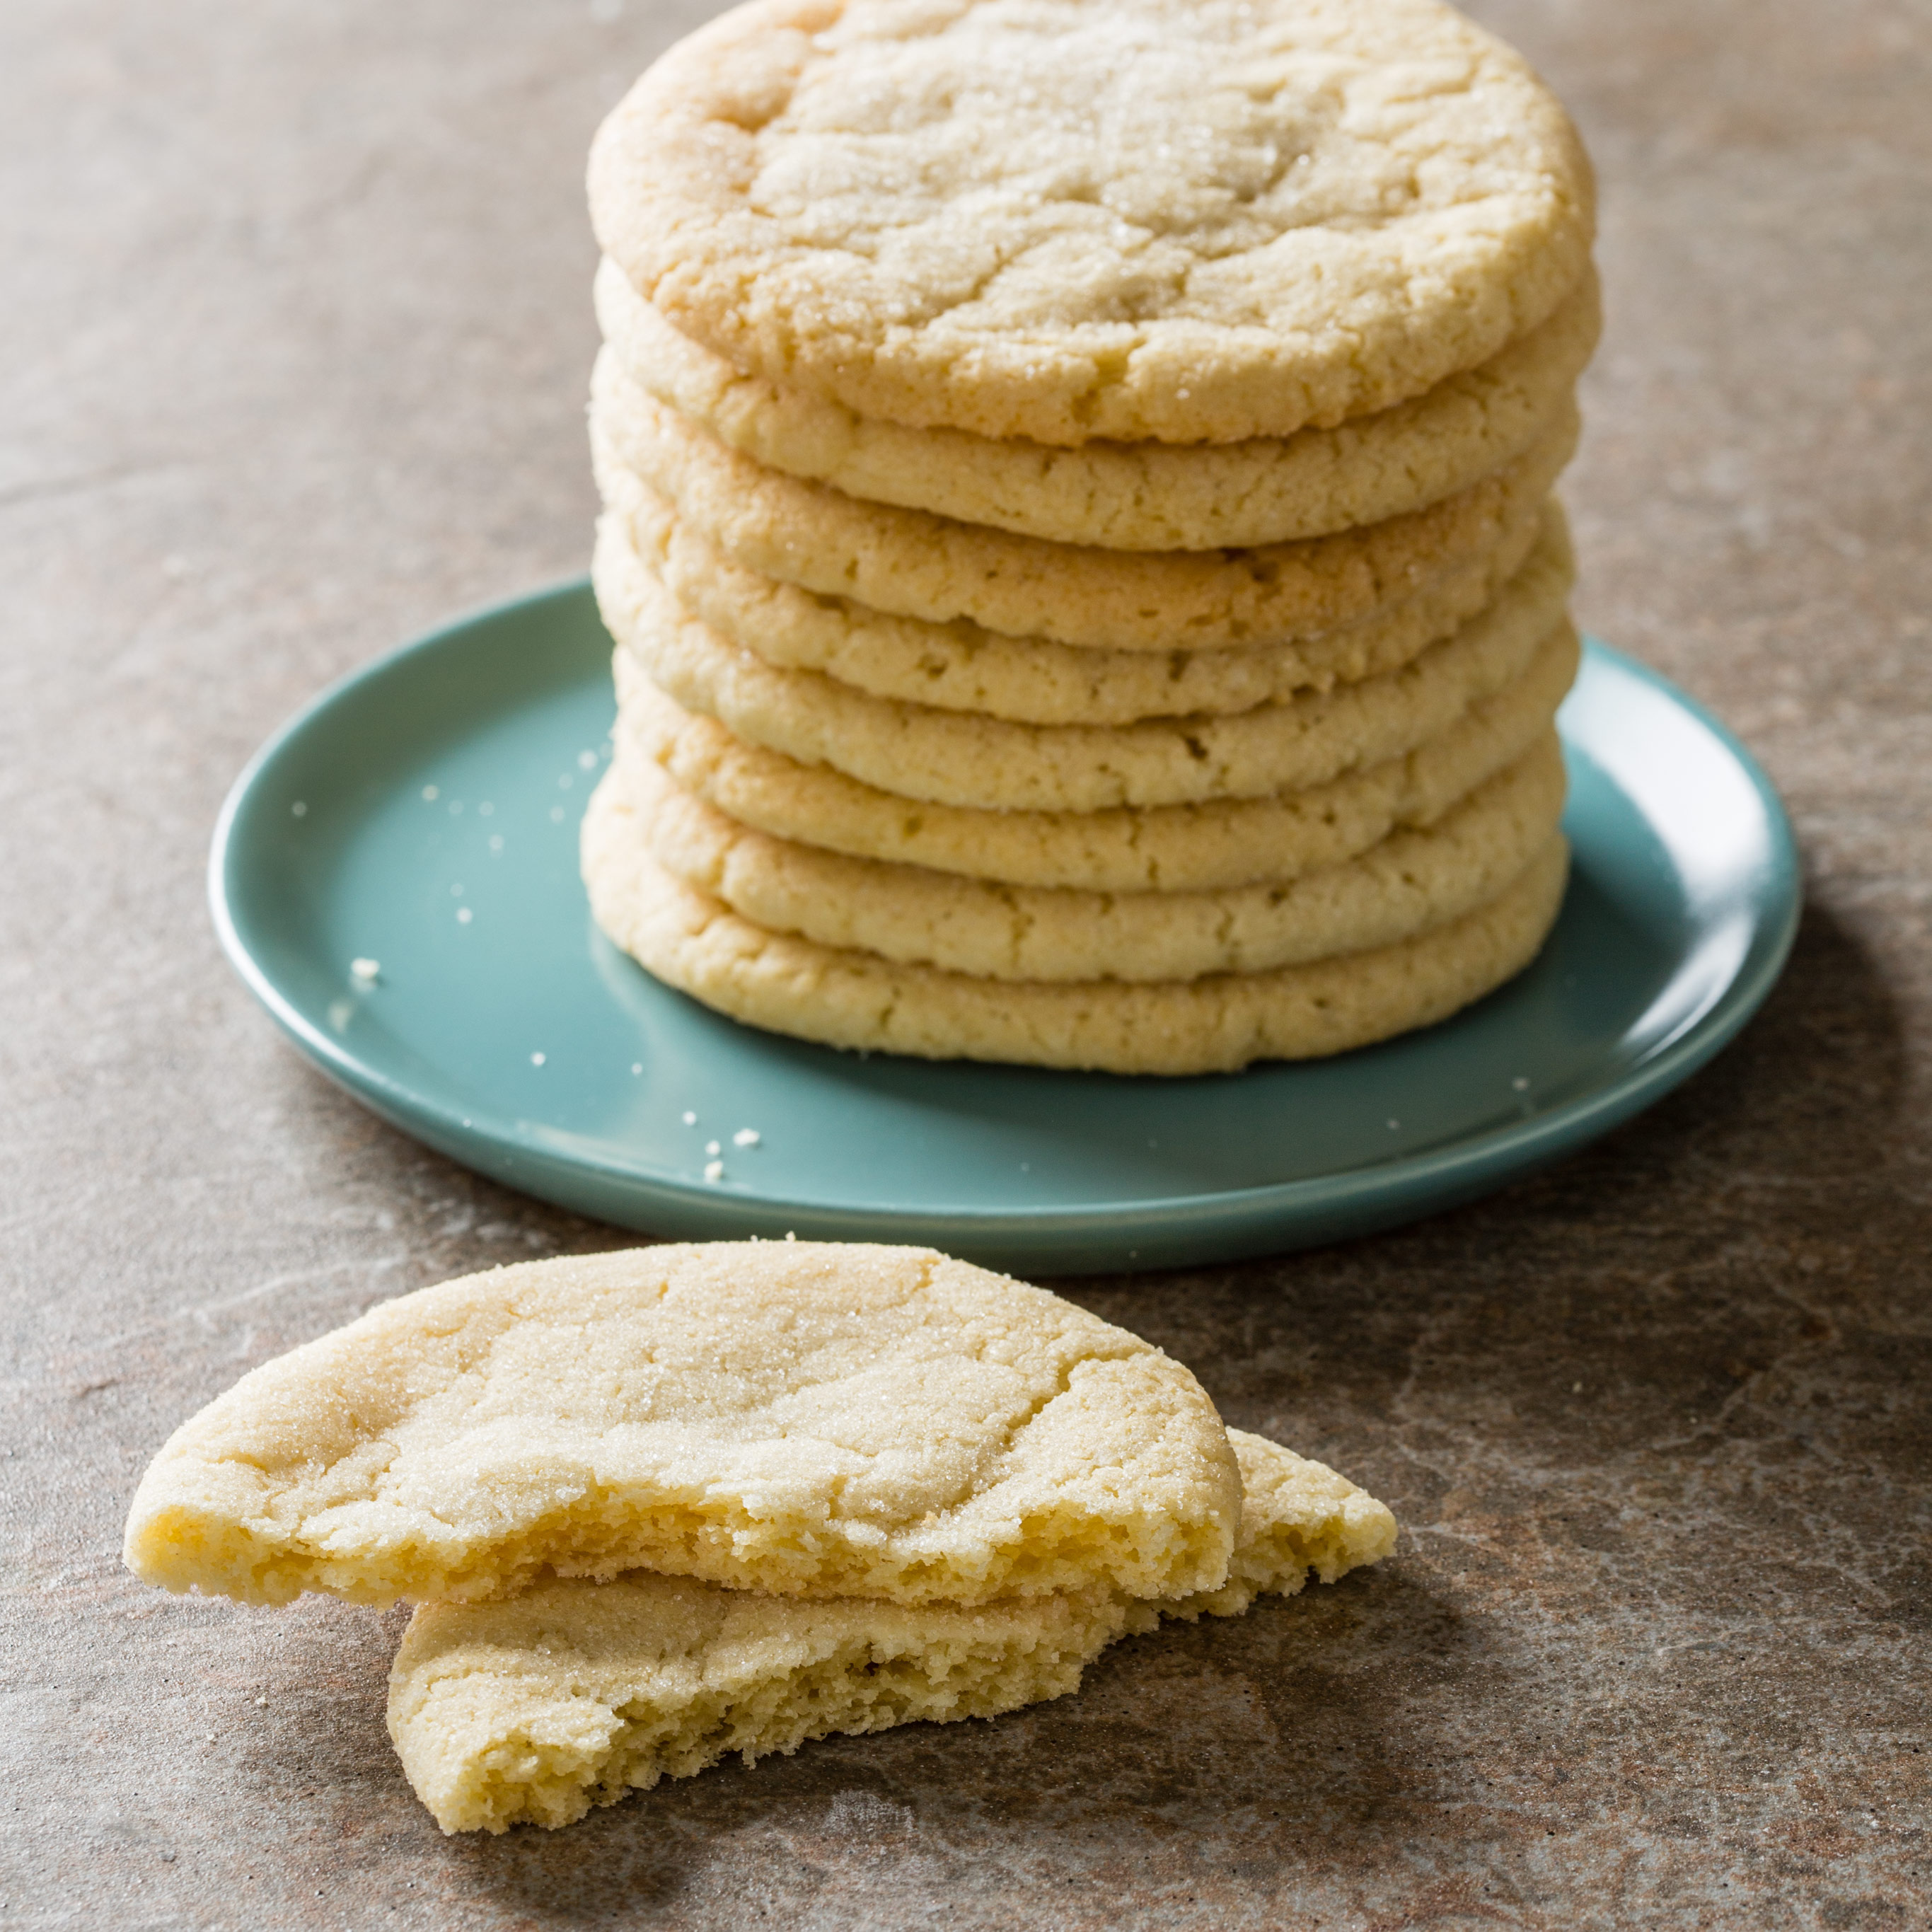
<point>423,815</point>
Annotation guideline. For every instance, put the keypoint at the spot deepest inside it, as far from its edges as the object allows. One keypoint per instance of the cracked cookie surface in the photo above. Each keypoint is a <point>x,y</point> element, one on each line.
<point>806,1418</point>
<point>1187,221</point>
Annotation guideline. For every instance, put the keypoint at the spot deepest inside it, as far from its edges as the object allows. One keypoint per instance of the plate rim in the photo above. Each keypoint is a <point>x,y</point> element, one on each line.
<point>1439,1174</point>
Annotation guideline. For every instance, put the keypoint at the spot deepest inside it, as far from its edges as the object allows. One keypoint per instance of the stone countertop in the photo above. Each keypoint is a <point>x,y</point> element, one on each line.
<point>297,327</point>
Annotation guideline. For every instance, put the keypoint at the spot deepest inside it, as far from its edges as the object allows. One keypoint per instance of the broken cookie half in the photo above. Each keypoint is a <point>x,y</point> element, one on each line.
<point>801,1418</point>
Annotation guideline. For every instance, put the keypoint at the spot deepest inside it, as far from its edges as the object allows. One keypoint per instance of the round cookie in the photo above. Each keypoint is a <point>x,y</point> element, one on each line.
<point>1171,848</point>
<point>959,667</point>
<point>575,1694</point>
<point>812,1419</point>
<point>916,564</point>
<point>951,757</point>
<point>1190,220</point>
<point>1413,882</point>
<point>1141,496</point>
<point>789,985</point>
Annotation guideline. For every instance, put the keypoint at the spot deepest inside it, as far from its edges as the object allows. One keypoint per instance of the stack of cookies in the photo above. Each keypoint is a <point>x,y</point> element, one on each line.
<point>661,1507</point>
<point>1078,522</point>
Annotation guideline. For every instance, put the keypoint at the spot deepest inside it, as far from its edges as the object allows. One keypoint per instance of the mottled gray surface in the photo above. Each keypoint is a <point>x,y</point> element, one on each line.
<point>295,331</point>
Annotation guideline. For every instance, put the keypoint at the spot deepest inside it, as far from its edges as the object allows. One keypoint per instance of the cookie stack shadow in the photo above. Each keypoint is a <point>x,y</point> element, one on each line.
<point>1149,755</point>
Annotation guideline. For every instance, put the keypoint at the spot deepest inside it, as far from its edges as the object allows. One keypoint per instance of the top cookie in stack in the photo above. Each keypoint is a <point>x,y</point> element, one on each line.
<point>1078,523</point>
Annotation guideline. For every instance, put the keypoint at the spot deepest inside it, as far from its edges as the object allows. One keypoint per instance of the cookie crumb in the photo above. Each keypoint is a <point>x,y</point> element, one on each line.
<point>714,1170</point>
<point>746,1137</point>
<point>537,1059</point>
<point>367,970</point>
